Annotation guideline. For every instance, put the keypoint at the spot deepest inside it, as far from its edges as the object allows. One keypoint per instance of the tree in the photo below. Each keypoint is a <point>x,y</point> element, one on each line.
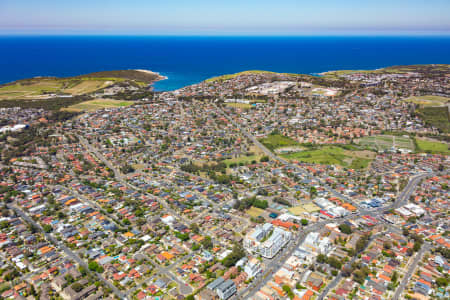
<point>417,246</point>
<point>362,243</point>
<point>409,251</point>
<point>313,192</point>
<point>207,242</point>
<point>405,231</point>
<point>304,222</point>
<point>359,276</point>
<point>82,271</point>
<point>236,254</point>
<point>321,259</point>
<point>334,262</point>
<point>298,286</point>
<point>182,236</point>
<point>442,281</point>
<point>394,277</point>
<point>94,266</point>
<point>345,228</point>
<point>77,287</point>
<point>33,291</point>
<point>194,227</point>
<point>127,169</point>
<point>264,159</point>
<point>287,289</point>
<point>47,228</point>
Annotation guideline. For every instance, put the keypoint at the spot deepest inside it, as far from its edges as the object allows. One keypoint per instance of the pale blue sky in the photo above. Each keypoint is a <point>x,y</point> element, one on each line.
<point>260,17</point>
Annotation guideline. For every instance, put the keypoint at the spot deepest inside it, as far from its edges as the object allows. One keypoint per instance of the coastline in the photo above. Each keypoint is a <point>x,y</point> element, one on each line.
<point>160,77</point>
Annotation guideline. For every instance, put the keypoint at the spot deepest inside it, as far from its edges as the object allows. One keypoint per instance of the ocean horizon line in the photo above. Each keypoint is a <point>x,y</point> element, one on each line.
<point>187,60</point>
<point>399,35</point>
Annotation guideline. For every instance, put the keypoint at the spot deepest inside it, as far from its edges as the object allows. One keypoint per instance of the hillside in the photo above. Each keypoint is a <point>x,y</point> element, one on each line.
<point>432,69</point>
<point>39,88</point>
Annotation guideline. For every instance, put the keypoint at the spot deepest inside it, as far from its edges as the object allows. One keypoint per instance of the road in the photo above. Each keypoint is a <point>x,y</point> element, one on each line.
<point>338,278</point>
<point>275,265</point>
<point>285,253</point>
<point>274,157</point>
<point>425,247</point>
<point>121,178</point>
<point>183,288</point>
<point>66,250</point>
<point>402,199</point>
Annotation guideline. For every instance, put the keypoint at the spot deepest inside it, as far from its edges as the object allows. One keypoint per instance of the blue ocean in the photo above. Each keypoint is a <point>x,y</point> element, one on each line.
<point>188,60</point>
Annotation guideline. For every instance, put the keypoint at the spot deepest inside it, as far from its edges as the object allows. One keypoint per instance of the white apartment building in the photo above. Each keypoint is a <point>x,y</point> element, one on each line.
<point>266,240</point>
<point>252,268</point>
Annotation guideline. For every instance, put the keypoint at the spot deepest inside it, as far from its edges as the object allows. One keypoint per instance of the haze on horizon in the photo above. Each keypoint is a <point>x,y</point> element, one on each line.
<point>231,17</point>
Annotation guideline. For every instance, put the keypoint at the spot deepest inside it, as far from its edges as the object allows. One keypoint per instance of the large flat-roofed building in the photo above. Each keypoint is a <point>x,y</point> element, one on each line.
<point>266,240</point>
<point>223,288</point>
<point>252,268</point>
<point>226,289</point>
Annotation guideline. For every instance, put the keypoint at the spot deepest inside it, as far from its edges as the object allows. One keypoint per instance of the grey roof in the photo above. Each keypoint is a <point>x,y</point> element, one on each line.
<point>226,285</point>
<point>213,285</point>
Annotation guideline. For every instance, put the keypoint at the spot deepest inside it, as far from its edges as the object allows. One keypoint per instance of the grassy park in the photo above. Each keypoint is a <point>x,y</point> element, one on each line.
<point>386,142</point>
<point>246,160</point>
<point>434,147</point>
<point>47,87</point>
<point>255,212</point>
<point>429,100</point>
<point>97,104</point>
<point>274,141</point>
<point>333,155</point>
<point>41,88</point>
<point>435,116</point>
<point>239,105</point>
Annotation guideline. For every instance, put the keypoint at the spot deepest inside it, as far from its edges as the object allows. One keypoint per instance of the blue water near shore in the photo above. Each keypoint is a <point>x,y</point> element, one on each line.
<point>188,60</point>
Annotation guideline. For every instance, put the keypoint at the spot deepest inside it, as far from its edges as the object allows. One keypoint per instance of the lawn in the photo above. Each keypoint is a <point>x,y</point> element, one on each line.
<point>97,104</point>
<point>230,76</point>
<point>255,212</point>
<point>333,155</point>
<point>274,141</point>
<point>435,116</point>
<point>428,100</point>
<point>40,87</point>
<point>432,147</point>
<point>243,159</point>
<point>239,105</point>
<point>88,86</point>
<point>32,88</point>
<point>385,142</point>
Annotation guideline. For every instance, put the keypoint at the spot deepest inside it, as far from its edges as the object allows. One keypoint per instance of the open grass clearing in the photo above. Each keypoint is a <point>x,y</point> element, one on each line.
<point>438,117</point>
<point>274,141</point>
<point>21,90</point>
<point>289,149</point>
<point>43,87</point>
<point>88,86</point>
<point>428,100</point>
<point>255,212</point>
<point>231,76</point>
<point>245,160</point>
<point>386,142</point>
<point>333,155</point>
<point>97,104</point>
<point>430,146</point>
<point>239,105</point>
